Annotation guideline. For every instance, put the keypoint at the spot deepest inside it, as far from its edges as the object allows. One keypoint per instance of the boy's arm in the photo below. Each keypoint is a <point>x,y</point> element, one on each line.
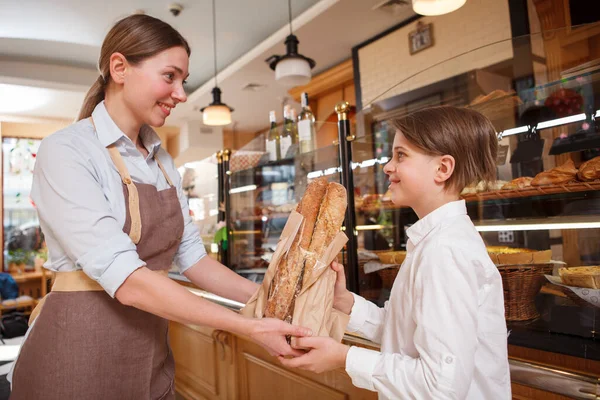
<point>446,303</point>
<point>366,319</point>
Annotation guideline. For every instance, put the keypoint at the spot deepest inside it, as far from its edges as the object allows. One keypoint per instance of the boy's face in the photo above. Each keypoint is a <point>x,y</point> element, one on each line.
<point>412,174</point>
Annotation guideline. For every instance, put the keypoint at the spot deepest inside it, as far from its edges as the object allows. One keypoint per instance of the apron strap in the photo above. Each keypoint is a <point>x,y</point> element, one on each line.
<point>135,232</point>
<point>163,170</point>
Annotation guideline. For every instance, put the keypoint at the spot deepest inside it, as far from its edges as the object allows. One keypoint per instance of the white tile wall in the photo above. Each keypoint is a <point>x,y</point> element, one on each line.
<point>387,62</point>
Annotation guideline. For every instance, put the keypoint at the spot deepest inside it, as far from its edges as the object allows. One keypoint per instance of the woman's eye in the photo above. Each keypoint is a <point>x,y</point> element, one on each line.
<point>170,76</point>
<point>185,82</point>
<point>400,155</point>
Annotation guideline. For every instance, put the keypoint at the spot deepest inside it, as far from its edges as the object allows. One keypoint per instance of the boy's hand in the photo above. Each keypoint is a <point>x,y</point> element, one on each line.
<point>342,298</point>
<point>325,355</point>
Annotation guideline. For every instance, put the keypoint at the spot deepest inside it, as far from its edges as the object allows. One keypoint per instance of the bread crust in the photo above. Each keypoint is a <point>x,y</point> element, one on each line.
<point>288,275</point>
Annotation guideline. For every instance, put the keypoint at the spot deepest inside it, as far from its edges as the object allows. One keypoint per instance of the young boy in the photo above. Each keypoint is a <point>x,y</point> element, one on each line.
<point>442,332</point>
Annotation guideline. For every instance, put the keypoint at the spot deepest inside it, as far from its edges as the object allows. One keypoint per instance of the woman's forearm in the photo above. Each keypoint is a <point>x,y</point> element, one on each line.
<point>159,295</point>
<point>214,277</point>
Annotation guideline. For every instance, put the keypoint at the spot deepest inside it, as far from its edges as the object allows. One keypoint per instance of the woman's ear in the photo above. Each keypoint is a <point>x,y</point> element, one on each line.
<point>445,169</point>
<point>118,67</point>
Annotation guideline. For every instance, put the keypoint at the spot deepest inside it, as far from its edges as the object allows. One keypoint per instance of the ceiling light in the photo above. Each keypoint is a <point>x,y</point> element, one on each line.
<point>291,69</point>
<point>437,7</point>
<point>216,113</point>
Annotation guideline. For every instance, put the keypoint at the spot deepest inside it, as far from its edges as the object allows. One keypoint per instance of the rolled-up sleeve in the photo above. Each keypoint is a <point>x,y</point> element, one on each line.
<point>191,249</point>
<point>72,205</point>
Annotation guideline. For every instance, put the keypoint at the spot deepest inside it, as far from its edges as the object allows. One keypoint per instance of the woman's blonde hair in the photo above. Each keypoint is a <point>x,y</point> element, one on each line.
<point>137,38</point>
<point>466,135</point>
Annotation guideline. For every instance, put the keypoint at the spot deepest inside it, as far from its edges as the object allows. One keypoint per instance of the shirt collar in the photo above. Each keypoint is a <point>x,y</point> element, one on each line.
<point>421,228</point>
<point>108,132</point>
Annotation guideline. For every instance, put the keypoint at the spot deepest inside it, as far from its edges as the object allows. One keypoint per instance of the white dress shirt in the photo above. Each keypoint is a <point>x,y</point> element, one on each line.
<point>80,202</point>
<point>442,333</point>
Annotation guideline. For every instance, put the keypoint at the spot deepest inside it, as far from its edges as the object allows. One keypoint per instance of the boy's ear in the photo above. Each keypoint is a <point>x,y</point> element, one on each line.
<point>445,169</point>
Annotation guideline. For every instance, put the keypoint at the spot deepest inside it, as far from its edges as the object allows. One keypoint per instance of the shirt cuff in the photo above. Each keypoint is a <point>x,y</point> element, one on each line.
<point>358,314</point>
<point>360,365</point>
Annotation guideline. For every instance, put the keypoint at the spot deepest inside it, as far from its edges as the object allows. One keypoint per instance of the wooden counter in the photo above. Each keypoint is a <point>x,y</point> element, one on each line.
<point>215,364</point>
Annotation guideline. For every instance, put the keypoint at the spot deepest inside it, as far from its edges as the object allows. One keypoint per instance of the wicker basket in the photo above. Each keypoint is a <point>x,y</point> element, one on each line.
<point>521,284</point>
<point>388,276</point>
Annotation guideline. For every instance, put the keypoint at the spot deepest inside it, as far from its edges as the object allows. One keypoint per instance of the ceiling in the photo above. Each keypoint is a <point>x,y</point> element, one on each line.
<point>54,45</point>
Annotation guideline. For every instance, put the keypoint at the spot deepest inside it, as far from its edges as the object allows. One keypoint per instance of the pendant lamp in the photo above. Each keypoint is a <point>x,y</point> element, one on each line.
<point>216,113</point>
<point>292,68</point>
<point>436,7</point>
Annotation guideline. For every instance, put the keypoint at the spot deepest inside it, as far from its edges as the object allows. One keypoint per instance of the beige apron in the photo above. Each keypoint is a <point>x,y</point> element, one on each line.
<point>85,344</point>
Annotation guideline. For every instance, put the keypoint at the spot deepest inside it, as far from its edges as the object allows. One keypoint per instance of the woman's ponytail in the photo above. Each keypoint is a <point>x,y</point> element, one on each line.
<point>93,97</point>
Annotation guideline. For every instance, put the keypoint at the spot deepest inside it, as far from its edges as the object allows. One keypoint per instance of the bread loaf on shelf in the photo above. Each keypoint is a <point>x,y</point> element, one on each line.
<point>518,183</point>
<point>288,276</point>
<point>586,277</point>
<point>560,175</point>
<point>589,170</point>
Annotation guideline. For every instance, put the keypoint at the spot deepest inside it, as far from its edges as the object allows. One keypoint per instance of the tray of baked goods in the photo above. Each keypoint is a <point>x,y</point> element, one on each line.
<point>565,178</point>
<point>580,284</point>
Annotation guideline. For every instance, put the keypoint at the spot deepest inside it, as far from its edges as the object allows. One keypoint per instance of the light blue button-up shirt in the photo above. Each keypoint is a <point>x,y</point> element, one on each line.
<point>80,202</point>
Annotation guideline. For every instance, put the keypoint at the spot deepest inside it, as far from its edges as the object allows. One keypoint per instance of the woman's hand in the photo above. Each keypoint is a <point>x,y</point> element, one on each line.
<point>270,333</point>
<point>325,354</point>
<point>342,298</point>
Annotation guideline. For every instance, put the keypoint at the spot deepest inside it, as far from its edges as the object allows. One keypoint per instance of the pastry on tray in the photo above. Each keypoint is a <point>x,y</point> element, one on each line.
<point>560,175</point>
<point>586,277</point>
<point>504,255</point>
<point>589,170</point>
<point>518,183</point>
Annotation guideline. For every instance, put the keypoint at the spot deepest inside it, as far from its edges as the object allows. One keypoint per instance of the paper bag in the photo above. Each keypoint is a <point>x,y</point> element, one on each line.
<point>256,305</point>
<point>313,307</point>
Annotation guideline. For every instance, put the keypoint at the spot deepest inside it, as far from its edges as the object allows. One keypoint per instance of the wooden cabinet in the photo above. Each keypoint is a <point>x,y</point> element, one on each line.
<point>213,364</point>
<point>204,362</point>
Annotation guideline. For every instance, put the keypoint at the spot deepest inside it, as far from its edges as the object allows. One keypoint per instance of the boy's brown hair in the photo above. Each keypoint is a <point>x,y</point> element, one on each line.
<point>464,134</point>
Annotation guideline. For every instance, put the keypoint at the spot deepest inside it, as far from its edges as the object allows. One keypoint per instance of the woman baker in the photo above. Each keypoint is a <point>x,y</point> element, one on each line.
<point>114,215</point>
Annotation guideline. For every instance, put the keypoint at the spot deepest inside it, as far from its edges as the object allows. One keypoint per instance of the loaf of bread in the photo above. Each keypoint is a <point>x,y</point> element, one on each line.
<point>589,170</point>
<point>560,175</point>
<point>288,275</point>
<point>518,183</point>
<point>329,222</point>
<point>586,277</point>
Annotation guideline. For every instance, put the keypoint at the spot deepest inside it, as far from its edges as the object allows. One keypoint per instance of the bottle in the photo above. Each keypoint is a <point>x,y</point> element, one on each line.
<point>287,132</point>
<point>273,139</point>
<point>294,118</point>
<point>306,127</point>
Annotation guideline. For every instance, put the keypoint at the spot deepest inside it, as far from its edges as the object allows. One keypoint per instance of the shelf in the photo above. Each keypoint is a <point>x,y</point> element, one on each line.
<point>500,197</point>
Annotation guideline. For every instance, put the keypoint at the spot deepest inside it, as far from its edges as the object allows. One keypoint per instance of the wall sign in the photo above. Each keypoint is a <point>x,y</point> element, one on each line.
<point>421,38</point>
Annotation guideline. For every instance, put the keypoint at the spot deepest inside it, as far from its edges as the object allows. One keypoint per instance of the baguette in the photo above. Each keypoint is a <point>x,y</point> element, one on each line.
<point>330,220</point>
<point>589,170</point>
<point>288,275</point>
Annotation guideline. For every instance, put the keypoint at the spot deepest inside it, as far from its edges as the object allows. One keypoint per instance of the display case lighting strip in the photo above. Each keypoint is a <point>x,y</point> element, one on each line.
<point>537,227</point>
<point>370,227</point>
<point>548,124</point>
<point>364,164</point>
<point>243,189</point>
<point>561,121</point>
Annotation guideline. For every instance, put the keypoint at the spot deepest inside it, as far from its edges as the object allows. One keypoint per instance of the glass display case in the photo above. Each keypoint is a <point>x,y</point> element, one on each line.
<point>546,113</point>
<point>262,193</point>
<point>548,119</point>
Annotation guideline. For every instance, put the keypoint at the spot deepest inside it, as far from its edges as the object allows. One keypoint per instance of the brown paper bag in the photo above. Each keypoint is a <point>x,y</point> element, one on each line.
<point>256,305</point>
<point>313,307</point>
